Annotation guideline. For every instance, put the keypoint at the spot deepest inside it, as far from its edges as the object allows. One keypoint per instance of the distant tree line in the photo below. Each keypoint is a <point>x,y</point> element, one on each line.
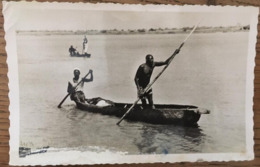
<point>202,29</point>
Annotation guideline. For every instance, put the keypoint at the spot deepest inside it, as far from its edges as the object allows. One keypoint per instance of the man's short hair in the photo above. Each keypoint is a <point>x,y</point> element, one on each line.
<point>148,56</point>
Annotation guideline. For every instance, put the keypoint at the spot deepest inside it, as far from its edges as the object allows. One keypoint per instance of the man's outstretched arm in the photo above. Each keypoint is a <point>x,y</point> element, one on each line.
<point>168,60</point>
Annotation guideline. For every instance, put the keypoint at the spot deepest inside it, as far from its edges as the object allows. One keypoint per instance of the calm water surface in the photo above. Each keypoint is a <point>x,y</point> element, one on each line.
<point>208,73</point>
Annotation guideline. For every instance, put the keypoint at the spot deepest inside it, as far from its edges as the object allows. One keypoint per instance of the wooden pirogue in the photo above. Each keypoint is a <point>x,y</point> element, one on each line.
<point>162,114</point>
<point>80,55</point>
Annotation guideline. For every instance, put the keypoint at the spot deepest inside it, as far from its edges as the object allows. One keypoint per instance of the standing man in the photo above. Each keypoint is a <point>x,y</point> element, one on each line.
<point>77,93</point>
<point>143,76</point>
<point>85,45</point>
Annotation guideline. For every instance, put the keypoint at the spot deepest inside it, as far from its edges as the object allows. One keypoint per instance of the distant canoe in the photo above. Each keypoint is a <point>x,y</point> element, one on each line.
<point>80,55</point>
<point>162,114</point>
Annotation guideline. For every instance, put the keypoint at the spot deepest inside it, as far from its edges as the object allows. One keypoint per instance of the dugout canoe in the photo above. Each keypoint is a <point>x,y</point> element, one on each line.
<point>162,114</point>
<point>80,55</point>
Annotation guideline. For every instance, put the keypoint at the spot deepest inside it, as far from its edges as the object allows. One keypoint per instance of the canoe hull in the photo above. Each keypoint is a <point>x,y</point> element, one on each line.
<point>162,114</point>
<point>81,55</point>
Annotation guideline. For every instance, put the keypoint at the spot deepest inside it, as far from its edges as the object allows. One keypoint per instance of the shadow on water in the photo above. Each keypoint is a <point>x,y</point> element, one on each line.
<point>73,114</point>
<point>167,139</point>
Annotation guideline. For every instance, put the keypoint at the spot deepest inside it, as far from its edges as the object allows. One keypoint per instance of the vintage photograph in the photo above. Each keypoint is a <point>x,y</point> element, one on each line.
<point>116,83</point>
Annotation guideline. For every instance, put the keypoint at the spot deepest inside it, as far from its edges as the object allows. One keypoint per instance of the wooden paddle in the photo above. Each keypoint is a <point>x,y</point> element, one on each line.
<point>59,106</point>
<point>150,85</point>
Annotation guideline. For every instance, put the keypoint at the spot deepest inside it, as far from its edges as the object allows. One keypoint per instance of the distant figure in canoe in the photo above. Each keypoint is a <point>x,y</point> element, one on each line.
<point>77,93</point>
<point>72,50</point>
<point>85,45</point>
<point>143,76</point>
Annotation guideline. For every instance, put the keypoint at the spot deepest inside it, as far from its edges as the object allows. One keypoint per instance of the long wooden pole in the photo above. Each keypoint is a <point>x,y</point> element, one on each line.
<point>150,85</point>
<point>59,106</point>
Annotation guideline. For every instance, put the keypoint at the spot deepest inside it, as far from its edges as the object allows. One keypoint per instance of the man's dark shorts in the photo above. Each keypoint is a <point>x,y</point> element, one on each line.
<point>78,96</point>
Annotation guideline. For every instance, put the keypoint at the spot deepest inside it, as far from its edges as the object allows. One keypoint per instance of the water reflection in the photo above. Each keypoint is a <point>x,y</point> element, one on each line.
<point>137,137</point>
<point>75,115</point>
<point>164,139</point>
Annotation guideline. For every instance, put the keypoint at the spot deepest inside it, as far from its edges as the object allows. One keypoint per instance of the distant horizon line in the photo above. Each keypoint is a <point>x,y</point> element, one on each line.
<point>140,29</point>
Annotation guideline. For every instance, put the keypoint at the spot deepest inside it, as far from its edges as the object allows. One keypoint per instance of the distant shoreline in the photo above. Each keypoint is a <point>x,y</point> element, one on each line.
<point>140,31</point>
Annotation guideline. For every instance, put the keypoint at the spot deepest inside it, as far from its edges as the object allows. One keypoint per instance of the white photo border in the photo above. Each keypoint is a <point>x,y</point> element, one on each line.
<point>11,14</point>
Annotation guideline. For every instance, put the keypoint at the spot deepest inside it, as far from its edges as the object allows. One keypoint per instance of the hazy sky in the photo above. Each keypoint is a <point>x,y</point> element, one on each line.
<point>85,19</point>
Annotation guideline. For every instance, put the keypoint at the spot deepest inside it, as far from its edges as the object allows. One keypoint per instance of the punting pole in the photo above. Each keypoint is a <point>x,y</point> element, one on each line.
<point>150,85</point>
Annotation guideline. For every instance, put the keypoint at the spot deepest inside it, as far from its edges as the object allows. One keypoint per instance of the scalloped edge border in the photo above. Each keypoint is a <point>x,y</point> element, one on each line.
<point>13,85</point>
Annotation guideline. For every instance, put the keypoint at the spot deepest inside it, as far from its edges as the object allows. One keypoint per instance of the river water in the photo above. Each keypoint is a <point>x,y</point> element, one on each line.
<point>209,72</point>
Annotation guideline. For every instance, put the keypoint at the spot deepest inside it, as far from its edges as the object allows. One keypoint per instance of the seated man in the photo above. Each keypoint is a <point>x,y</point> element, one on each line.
<point>72,50</point>
<point>76,90</point>
<point>77,93</point>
